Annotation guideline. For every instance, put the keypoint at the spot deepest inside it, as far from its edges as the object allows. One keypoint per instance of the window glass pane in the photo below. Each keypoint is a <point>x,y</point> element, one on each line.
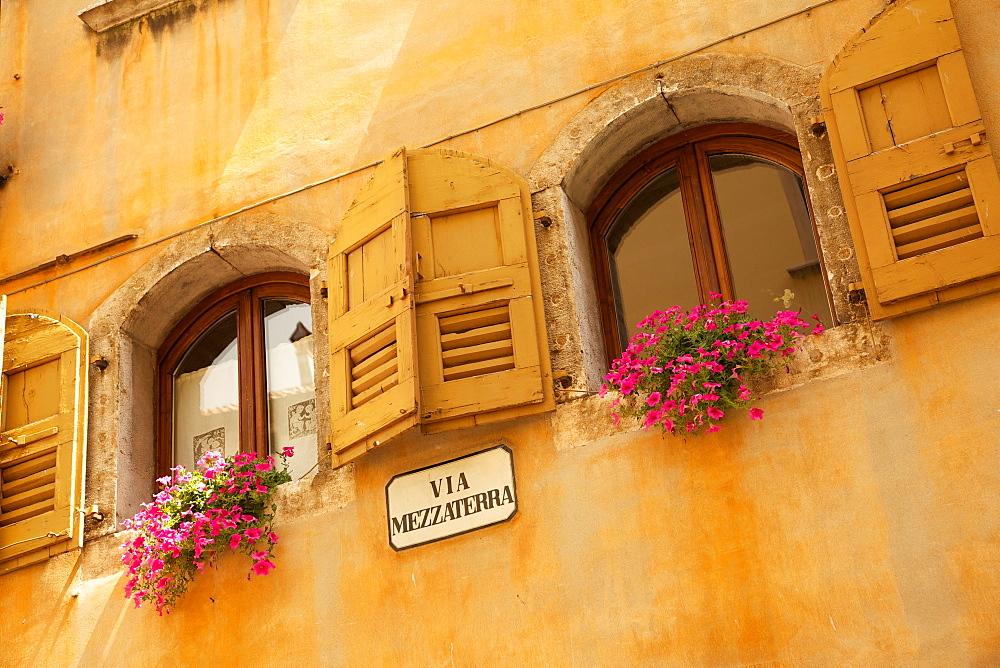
<point>769,236</point>
<point>206,395</point>
<point>651,265</point>
<point>291,392</point>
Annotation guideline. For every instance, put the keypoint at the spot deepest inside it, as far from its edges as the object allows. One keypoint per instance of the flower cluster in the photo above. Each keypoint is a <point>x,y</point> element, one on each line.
<point>225,502</point>
<point>684,369</point>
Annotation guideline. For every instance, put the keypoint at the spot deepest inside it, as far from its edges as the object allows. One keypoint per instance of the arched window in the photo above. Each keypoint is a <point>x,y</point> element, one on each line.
<point>720,208</point>
<point>236,375</point>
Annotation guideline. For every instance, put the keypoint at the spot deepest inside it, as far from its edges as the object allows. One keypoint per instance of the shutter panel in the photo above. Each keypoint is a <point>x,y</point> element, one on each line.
<point>42,445</point>
<point>916,167</point>
<point>482,348</point>
<point>3,327</point>
<point>373,383</point>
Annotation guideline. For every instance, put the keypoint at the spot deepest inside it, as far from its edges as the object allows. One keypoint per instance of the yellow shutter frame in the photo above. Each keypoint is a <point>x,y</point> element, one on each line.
<point>483,352</point>
<point>373,374</point>
<point>43,438</point>
<point>914,161</point>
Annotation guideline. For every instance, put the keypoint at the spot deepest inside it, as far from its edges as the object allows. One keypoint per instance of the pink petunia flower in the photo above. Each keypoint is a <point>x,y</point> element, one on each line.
<point>756,414</point>
<point>263,567</point>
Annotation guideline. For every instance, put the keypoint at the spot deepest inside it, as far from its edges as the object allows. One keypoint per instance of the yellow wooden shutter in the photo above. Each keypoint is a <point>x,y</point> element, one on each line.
<point>42,442</point>
<point>915,163</point>
<point>3,327</point>
<point>483,353</point>
<point>373,384</point>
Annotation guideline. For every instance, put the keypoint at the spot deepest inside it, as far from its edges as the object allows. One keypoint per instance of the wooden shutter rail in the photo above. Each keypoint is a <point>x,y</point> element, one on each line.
<point>24,439</point>
<point>465,289</point>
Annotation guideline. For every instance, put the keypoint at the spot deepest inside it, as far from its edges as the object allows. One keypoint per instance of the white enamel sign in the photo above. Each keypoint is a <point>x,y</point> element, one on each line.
<point>451,498</point>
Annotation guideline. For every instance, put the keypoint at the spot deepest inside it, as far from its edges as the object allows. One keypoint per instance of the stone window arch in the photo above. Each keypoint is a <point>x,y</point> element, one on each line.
<point>132,324</point>
<point>632,116</point>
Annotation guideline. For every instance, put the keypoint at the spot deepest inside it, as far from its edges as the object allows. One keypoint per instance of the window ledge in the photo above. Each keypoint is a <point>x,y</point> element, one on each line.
<point>106,15</point>
<point>324,492</point>
<point>843,349</point>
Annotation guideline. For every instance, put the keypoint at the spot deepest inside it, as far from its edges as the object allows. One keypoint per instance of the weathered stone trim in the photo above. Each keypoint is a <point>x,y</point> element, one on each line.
<point>632,115</point>
<point>129,326</point>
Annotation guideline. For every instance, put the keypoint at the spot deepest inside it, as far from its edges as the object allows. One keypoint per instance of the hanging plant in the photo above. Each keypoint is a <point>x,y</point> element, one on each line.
<point>223,504</point>
<point>683,370</point>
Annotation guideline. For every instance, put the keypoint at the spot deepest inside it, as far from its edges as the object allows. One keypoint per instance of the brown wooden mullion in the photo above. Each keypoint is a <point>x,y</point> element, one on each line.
<point>244,346</point>
<point>698,224</point>
<point>713,220</point>
<point>259,411</point>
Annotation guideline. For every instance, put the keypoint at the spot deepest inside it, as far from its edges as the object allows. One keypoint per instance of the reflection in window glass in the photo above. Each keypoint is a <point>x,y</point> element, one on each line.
<point>651,266</point>
<point>291,391</point>
<point>769,236</point>
<point>206,395</point>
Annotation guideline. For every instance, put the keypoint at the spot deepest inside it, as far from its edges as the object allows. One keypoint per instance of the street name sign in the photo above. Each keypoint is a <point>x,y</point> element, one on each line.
<point>452,498</point>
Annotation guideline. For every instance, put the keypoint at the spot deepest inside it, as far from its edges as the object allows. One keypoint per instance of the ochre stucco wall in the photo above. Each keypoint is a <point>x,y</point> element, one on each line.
<point>853,525</point>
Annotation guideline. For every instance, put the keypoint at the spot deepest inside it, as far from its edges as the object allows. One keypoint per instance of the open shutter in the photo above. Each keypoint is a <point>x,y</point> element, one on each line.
<point>3,327</point>
<point>42,442</point>
<point>373,383</point>
<point>916,167</point>
<point>483,353</point>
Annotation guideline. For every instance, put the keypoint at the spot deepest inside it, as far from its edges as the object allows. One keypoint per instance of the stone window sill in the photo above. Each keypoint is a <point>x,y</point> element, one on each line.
<point>843,349</point>
<point>110,13</point>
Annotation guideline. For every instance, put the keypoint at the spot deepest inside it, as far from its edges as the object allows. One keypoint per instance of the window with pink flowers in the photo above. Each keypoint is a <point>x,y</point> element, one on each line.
<point>717,209</point>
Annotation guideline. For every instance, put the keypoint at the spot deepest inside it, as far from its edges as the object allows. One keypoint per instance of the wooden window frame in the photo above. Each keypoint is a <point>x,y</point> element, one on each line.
<point>689,151</point>
<point>244,296</point>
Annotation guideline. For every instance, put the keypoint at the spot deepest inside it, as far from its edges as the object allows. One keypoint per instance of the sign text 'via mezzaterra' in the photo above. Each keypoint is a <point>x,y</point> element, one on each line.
<point>455,497</point>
